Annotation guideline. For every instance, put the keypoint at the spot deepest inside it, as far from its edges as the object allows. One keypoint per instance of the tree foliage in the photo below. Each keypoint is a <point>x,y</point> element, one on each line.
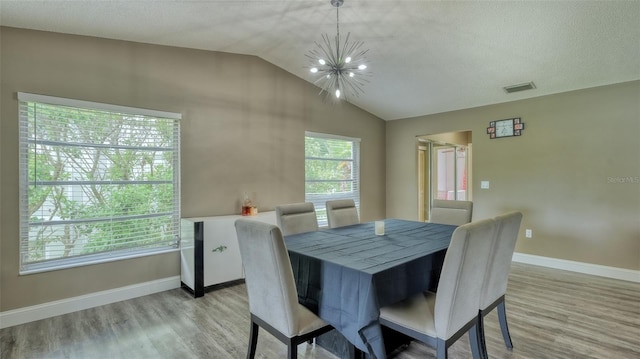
<point>98,181</point>
<point>328,165</point>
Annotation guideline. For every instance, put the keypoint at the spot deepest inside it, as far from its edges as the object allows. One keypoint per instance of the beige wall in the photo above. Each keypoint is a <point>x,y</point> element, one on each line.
<point>242,130</point>
<point>574,173</point>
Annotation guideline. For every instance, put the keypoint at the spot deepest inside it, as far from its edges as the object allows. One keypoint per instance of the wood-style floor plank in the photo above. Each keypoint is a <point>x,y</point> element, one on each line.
<point>552,314</point>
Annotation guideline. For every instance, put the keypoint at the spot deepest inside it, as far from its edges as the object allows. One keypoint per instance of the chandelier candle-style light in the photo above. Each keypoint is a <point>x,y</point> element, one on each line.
<point>340,67</point>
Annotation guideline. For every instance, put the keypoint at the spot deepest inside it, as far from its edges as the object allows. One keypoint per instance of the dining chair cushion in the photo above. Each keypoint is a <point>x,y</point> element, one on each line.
<point>308,321</point>
<point>451,212</point>
<point>296,218</point>
<point>415,313</point>
<point>269,279</point>
<point>342,212</point>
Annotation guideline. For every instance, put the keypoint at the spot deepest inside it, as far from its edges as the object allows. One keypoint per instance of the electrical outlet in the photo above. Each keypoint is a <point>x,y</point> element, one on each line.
<point>528,233</point>
<point>484,184</point>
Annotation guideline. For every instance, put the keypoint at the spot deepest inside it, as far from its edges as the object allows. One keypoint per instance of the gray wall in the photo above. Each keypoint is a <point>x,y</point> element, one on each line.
<point>574,173</point>
<point>242,130</point>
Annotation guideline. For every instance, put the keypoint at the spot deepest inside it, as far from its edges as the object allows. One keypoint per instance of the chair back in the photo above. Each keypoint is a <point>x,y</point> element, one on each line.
<point>497,275</point>
<point>268,275</point>
<point>342,212</point>
<point>460,285</point>
<point>297,218</point>
<point>451,212</point>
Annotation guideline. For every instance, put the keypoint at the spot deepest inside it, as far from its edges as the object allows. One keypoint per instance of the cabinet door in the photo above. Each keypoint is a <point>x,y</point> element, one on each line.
<point>222,262</point>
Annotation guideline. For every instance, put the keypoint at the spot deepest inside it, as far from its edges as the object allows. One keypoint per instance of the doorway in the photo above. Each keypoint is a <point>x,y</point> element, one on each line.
<point>444,169</point>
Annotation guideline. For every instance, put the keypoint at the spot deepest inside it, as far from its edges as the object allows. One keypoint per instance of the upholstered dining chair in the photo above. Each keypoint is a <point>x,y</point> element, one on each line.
<point>342,212</point>
<point>271,288</point>
<point>296,218</point>
<point>439,319</point>
<point>451,212</point>
<point>497,275</point>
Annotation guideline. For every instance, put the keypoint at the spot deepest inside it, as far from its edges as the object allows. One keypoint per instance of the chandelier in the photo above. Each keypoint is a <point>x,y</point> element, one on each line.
<point>339,67</point>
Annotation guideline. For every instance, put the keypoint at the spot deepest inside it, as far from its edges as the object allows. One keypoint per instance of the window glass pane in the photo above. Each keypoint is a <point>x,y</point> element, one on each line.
<point>461,173</point>
<point>328,148</point>
<point>95,182</point>
<point>328,169</point>
<point>450,180</point>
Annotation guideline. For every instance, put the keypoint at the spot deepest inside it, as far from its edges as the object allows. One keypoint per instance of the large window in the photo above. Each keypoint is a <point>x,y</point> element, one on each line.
<point>332,170</point>
<point>97,182</point>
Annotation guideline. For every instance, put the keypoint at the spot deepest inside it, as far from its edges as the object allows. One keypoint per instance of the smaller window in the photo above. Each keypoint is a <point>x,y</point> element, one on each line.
<point>332,171</point>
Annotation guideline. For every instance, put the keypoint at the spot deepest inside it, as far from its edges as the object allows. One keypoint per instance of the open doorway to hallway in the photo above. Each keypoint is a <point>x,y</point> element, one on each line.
<point>444,169</point>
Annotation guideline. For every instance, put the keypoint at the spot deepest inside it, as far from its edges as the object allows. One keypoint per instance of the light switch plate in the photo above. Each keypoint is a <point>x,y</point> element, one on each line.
<point>484,184</point>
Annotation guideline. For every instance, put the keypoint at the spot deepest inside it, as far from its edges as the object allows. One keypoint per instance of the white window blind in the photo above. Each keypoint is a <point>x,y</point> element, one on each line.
<point>98,182</point>
<point>332,171</point>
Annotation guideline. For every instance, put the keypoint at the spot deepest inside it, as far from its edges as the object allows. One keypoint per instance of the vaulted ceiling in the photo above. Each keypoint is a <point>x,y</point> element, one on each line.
<point>425,57</point>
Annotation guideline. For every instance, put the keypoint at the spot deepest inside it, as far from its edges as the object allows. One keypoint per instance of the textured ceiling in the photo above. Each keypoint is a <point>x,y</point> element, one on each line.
<point>425,56</point>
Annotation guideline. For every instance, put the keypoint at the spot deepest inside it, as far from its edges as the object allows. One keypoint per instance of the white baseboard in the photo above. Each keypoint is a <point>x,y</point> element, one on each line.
<point>64,306</point>
<point>580,267</point>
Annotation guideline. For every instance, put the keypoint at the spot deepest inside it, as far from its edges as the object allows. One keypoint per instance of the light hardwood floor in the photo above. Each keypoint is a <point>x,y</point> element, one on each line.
<point>551,313</point>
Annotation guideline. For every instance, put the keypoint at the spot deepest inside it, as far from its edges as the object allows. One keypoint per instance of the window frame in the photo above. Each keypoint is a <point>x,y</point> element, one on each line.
<point>29,266</point>
<point>319,200</point>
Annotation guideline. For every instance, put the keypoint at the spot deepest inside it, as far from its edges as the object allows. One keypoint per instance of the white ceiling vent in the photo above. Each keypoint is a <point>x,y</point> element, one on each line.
<point>520,87</point>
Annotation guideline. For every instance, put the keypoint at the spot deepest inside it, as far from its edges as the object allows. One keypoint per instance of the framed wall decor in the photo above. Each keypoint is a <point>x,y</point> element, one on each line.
<point>505,128</point>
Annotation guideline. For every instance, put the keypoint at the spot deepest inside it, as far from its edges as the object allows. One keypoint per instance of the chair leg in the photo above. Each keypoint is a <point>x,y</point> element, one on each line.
<point>292,351</point>
<point>253,340</point>
<point>475,340</point>
<point>441,349</point>
<point>482,342</point>
<point>502,316</point>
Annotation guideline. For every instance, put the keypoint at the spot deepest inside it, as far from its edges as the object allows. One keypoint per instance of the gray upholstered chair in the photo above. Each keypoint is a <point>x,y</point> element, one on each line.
<point>439,319</point>
<point>273,298</point>
<point>497,275</point>
<point>296,218</point>
<point>342,212</point>
<point>451,212</point>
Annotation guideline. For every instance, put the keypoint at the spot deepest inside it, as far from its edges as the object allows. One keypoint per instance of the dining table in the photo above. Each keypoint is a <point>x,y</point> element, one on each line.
<point>346,274</point>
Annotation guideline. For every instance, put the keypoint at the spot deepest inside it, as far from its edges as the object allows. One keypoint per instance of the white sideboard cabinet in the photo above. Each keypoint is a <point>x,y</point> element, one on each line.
<point>209,251</point>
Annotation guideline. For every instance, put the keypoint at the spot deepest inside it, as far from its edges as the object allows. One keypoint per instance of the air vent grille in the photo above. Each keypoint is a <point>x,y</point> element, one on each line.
<point>519,87</point>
